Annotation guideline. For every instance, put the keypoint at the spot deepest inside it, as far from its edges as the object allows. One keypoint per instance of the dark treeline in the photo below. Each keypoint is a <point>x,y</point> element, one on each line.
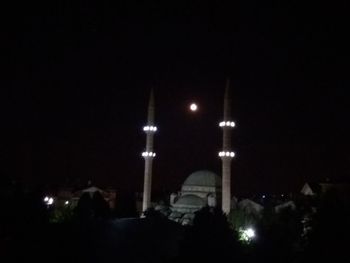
<point>95,233</point>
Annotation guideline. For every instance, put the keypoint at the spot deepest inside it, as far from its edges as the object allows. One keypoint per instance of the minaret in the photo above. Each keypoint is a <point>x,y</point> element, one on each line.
<point>148,154</point>
<point>226,154</point>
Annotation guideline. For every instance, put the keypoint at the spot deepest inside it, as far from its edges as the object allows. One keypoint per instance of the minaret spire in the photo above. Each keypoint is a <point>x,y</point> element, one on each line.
<point>227,101</point>
<point>226,154</point>
<point>150,116</point>
<point>148,155</point>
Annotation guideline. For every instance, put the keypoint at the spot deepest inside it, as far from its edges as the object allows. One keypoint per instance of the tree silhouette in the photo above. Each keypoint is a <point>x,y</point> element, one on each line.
<point>210,238</point>
<point>100,206</point>
<point>330,232</point>
<point>84,209</point>
<point>278,236</point>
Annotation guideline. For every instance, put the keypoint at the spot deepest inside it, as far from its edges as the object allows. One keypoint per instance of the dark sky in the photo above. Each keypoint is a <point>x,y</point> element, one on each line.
<point>79,74</point>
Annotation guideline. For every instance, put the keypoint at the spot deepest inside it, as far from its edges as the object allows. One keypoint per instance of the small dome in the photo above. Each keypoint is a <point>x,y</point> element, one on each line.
<point>203,178</point>
<point>160,207</point>
<point>175,215</point>
<point>190,201</point>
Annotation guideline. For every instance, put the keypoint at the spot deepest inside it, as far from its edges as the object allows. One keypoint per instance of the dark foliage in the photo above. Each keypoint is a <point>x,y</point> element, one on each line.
<point>26,233</point>
<point>92,208</point>
<point>151,213</point>
<point>84,209</point>
<point>329,237</point>
<point>100,206</point>
<point>278,236</point>
<point>210,239</point>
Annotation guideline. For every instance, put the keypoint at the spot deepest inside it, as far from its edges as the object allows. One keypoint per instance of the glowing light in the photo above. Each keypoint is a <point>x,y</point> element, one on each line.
<point>250,233</point>
<point>247,234</point>
<point>66,203</point>
<point>227,154</point>
<point>193,107</point>
<point>150,128</point>
<point>227,124</point>
<point>48,200</point>
<point>148,154</point>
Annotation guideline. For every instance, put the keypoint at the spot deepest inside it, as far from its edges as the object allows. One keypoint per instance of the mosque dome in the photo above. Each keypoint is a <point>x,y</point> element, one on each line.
<point>203,178</point>
<point>190,201</point>
<point>201,188</point>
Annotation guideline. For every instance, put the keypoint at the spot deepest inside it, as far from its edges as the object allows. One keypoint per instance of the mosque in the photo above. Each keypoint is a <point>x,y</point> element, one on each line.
<point>201,188</point>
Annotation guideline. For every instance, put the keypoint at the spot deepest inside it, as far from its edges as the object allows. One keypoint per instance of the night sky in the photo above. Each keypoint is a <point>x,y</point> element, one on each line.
<point>79,75</point>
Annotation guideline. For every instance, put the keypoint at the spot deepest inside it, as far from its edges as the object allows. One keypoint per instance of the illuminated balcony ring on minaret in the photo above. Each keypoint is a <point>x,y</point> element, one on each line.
<point>150,128</point>
<point>226,154</point>
<point>229,124</point>
<point>148,154</point>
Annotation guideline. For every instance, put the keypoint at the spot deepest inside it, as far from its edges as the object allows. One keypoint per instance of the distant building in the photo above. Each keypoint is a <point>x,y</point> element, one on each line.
<point>311,189</point>
<point>340,191</point>
<point>250,207</point>
<point>108,195</point>
<point>69,196</point>
<point>322,188</point>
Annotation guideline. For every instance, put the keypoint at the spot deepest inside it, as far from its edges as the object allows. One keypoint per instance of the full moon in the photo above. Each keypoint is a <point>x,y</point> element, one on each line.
<point>193,107</point>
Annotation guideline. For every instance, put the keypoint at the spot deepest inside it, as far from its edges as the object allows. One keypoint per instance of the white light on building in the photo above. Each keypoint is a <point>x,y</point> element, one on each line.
<point>227,154</point>
<point>148,154</point>
<point>227,124</point>
<point>150,128</point>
